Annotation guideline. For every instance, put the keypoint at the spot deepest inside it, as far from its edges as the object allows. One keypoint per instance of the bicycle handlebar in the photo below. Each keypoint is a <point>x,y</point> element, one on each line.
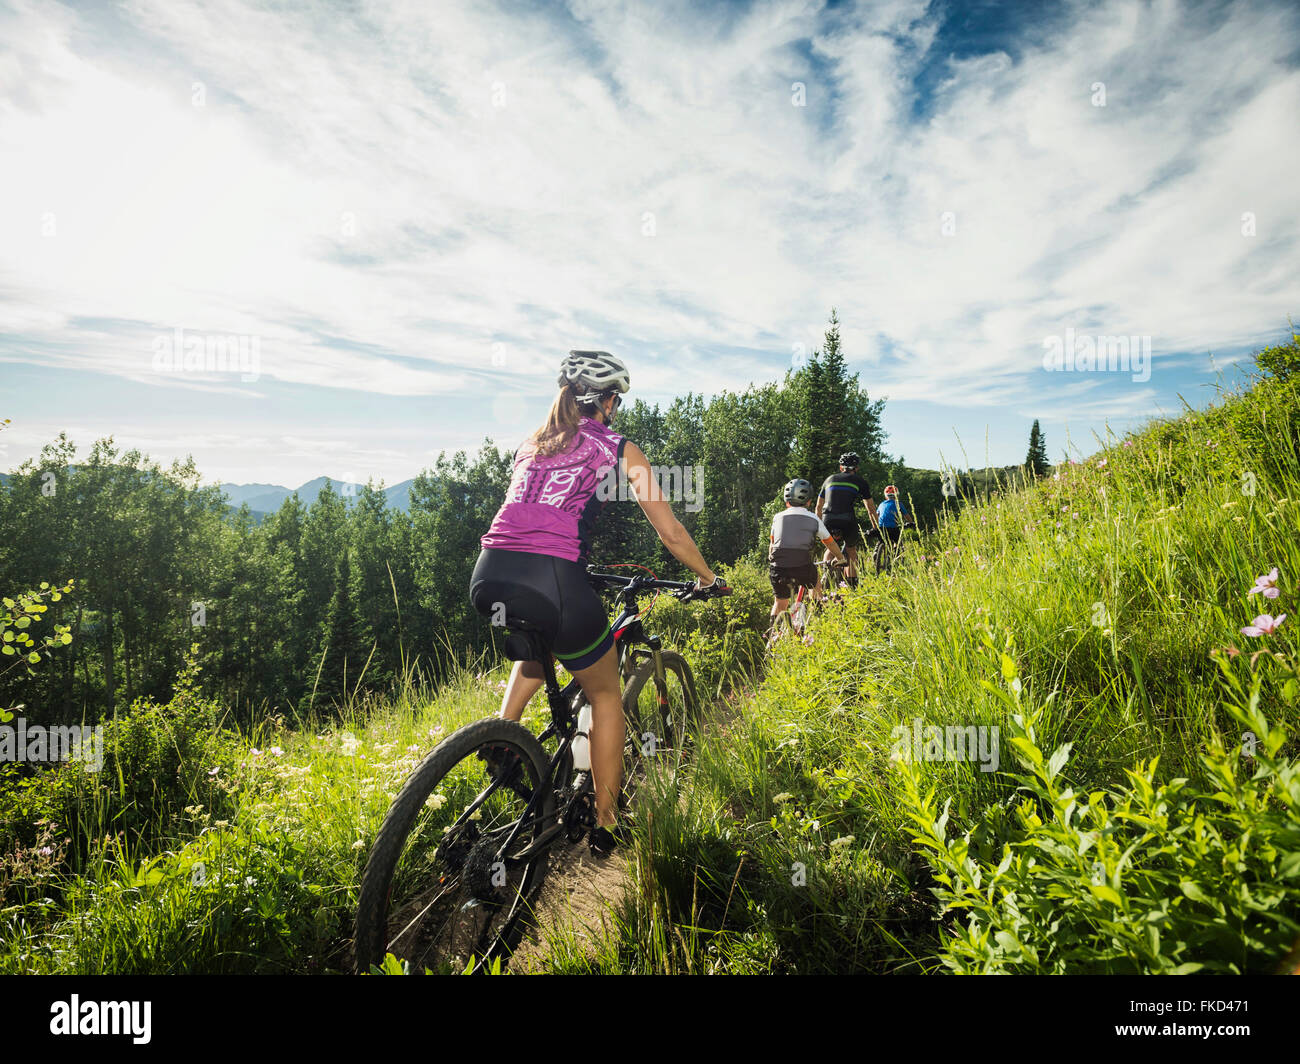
<point>684,592</point>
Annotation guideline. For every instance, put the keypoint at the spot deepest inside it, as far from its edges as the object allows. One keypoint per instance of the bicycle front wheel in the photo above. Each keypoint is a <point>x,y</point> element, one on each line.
<point>457,858</point>
<point>660,717</point>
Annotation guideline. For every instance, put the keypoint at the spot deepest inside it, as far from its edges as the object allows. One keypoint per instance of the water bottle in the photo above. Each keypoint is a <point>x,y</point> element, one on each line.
<point>581,742</point>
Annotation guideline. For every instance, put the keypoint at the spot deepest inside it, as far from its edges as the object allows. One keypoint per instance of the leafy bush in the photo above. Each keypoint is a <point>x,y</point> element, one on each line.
<point>1282,360</point>
<point>234,900</point>
<point>722,638</point>
<point>16,618</point>
<point>1145,878</point>
<point>158,759</point>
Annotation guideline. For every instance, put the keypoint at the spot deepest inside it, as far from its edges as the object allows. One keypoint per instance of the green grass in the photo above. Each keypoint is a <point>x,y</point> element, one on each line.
<point>1078,617</point>
<point>1106,622</point>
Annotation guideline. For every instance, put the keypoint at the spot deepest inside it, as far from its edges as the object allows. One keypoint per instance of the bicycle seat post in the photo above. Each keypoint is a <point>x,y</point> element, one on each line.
<point>527,644</point>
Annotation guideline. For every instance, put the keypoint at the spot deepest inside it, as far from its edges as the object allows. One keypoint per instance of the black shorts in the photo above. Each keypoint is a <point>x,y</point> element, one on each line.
<point>891,535</point>
<point>551,594</point>
<point>845,527</point>
<point>783,577</point>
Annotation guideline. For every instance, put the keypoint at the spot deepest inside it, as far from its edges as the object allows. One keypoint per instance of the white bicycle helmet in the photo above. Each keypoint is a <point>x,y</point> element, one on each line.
<point>596,373</point>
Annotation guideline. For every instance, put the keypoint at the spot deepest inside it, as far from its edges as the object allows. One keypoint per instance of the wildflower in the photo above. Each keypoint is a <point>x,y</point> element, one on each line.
<point>1227,505</point>
<point>45,851</point>
<point>784,796</point>
<point>1101,463</point>
<point>808,640</point>
<point>214,770</point>
<point>438,801</point>
<point>1266,584</point>
<point>275,751</point>
<point>1264,625</point>
<point>1128,443</point>
<point>256,752</point>
<point>841,842</point>
<point>477,814</point>
<point>359,845</point>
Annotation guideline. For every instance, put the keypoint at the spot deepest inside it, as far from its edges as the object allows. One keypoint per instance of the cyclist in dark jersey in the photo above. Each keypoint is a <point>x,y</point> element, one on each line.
<point>836,505</point>
<point>533,564</point>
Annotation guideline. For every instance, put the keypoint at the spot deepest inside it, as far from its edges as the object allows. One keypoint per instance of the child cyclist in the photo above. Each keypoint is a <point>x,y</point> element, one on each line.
<point>796,530</point>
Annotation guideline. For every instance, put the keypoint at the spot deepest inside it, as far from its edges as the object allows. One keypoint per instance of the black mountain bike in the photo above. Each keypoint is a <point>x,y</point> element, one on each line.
<point>464,845</point>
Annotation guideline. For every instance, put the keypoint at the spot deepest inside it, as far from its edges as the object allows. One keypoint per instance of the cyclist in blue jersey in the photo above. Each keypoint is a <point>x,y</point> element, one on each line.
<point>891,520</point>
<point>836,504</point>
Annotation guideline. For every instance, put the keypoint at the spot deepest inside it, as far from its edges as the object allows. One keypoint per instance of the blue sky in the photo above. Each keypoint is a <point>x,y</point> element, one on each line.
<point>410,211</point>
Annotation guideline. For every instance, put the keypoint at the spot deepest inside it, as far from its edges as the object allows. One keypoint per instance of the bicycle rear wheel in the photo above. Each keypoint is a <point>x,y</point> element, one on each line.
<point>449,877</point>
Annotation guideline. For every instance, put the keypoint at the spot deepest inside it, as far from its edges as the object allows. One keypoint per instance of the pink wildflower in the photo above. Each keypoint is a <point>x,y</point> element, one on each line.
<point>1266,584</point>
<point>1264,625</point>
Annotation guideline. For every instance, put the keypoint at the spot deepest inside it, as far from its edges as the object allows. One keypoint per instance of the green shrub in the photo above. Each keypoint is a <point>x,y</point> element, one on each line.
<point>1282,360</point>
<point>1146,878</point>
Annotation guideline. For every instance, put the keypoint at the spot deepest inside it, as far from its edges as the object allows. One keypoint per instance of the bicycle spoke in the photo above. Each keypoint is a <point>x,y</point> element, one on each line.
<point>458,885</point>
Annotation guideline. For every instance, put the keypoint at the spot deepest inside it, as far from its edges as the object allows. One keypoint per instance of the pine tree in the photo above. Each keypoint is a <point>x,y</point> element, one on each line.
<point>1036,460</point>
<point>344,648</point>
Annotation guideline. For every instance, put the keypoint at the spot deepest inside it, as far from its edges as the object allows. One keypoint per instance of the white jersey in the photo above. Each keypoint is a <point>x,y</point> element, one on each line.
<point>795,531</point>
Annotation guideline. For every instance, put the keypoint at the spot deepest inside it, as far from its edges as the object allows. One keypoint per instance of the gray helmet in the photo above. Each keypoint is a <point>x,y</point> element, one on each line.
<point>593,374</point>
<point>798,491</point>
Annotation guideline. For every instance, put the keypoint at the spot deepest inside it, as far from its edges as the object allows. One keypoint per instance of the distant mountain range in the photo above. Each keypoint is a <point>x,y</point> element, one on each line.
<point>265,499</point>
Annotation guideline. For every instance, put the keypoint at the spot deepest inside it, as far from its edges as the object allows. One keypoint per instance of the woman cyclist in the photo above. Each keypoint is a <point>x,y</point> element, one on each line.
<point>533,564</point>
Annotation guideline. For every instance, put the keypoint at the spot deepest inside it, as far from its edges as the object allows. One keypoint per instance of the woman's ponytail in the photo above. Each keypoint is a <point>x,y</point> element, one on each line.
<point>561,423</point>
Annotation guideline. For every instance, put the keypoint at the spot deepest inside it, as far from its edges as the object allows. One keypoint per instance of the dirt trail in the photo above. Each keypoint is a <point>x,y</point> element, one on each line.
<point>579,889</point>
<point>576,895</point>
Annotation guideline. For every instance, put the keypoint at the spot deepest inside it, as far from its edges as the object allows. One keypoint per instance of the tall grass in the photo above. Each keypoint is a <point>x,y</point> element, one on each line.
<point>1102,591</point>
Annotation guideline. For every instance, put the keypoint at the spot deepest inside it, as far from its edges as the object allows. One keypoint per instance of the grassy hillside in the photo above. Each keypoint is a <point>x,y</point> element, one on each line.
<point>1144,814</point>
<point>1080,617</point>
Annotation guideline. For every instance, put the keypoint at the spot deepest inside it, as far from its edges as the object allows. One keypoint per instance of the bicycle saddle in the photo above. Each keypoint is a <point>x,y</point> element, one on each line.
<point>524,642</point>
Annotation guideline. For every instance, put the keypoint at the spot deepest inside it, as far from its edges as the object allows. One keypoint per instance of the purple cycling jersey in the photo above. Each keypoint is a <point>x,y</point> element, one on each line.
<point>552,503</point>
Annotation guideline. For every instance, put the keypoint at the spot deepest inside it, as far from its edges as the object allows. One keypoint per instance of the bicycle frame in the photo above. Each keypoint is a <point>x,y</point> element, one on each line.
<point>629,635</point>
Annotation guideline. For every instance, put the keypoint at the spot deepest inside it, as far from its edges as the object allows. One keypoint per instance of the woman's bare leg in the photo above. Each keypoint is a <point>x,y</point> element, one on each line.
<point>525,678</point>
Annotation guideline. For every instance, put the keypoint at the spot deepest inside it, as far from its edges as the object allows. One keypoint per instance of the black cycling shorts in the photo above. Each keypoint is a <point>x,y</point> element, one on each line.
<point>845,527</point>
<point>786,577</point>
<point>551,594</point>
<point>893,535</point>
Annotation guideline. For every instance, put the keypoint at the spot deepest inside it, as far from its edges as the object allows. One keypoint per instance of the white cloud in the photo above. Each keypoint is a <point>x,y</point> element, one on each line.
<point>352,193</point>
